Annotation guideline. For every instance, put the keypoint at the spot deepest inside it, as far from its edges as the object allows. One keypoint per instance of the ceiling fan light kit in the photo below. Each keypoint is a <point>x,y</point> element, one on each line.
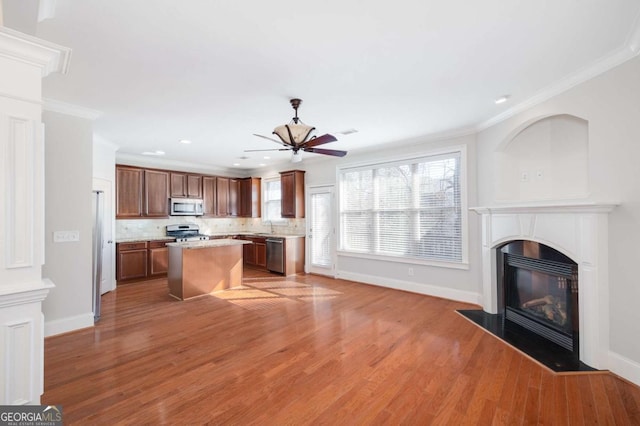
<point>296,136</point>
<point>296,132</point>
<point>293,134</point>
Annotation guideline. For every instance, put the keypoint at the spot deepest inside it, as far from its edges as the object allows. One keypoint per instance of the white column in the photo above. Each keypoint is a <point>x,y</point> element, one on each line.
<point>24,60</point>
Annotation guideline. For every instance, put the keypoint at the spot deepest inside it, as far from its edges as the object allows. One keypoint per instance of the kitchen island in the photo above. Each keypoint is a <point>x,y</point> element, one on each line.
<point>202,267</point>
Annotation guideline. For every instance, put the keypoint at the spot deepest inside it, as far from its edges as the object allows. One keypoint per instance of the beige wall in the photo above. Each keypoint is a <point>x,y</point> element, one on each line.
<point>68,181</point>
<point>611,105</point>
<point>460,284</point>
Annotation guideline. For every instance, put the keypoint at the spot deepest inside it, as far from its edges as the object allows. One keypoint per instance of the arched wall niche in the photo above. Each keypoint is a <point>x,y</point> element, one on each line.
<point>544,159</point>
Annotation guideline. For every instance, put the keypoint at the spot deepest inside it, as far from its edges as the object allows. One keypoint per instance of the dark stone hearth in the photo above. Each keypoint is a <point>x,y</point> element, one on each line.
<point>544,351</point>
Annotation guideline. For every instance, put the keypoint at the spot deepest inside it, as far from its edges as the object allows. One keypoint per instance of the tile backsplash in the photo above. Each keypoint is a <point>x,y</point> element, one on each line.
<point>152,228</point>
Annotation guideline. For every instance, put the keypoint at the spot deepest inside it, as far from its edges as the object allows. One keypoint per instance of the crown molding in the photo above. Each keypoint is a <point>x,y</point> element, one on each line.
<point>49,57</point>
<point>98,139</point>
<point>53,105</point>
<point>601,66</point>
<point>163,163</point>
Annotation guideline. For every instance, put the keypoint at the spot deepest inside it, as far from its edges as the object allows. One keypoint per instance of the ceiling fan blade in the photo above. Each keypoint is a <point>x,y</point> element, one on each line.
<point>320,140</point>
<point>271,139</point>
<point>274,149</point>
<point>334,152</point>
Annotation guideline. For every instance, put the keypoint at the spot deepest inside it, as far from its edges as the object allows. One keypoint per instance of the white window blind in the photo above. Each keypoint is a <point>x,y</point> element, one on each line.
<point>408,209</point>
<point>271,200</point>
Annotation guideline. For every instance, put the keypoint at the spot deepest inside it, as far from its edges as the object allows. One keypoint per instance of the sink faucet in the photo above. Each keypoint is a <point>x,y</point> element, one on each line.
<point>271,224</point>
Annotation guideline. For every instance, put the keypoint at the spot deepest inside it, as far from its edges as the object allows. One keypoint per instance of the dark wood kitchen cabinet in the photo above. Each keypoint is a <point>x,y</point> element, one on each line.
<point>250,195</point>
<point>234,197</point>
<point>209,196</point>
<point>261,253</point>
<point>184,185</point>
<point>156,193</point>
<point>292,187</point>
<point>141,192</point>
<point>129,183</point>
<point>255,254</point>
<point>248,254</point>
<point>131,261</point>
<point>158,258</point>
<point>140,260</point>
<point>222,196</point>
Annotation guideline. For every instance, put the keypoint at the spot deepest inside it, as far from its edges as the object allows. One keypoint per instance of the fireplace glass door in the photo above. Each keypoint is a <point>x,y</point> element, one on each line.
<point>541,292</point>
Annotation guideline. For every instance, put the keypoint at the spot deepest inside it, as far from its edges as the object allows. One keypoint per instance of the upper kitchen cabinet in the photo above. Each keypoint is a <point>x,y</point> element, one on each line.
<point>234,197</point>
<point>129,183</point>
<point>141,193</point>
<point>184,185</point>
<point>209,195</point>
<point>156,193</point>
<point>222,196</point>
<point>292,187</point>
<point>250,197</point>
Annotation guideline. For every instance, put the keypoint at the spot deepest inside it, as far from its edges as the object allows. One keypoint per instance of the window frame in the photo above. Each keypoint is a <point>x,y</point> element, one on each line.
<point>403,160</point>
<point>265,182</point>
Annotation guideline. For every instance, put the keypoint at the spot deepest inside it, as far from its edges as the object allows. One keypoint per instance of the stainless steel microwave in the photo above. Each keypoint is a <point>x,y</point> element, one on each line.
<point>186,207</point>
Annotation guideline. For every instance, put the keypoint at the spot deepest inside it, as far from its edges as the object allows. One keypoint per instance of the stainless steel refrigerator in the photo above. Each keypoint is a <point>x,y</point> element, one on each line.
<point>98,213</point>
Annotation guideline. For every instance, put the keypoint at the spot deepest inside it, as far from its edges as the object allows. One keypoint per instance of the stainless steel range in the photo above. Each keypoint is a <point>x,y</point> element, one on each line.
<point>186,232</point>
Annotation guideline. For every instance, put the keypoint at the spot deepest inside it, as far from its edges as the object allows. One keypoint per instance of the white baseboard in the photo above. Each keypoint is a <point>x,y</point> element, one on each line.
<point>624,367</point>
<point>426,289</point>
<point>65,325</point>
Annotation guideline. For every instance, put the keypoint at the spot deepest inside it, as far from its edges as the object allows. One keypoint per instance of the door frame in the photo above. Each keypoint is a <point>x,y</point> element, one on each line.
<point>315,189</point>
<point>109,215</point>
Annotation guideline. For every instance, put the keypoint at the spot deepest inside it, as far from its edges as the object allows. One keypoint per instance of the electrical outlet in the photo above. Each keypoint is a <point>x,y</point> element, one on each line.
<point>539,174</point>
<point>410,272</point>
<point>66,236</point>
<point>524,176</point>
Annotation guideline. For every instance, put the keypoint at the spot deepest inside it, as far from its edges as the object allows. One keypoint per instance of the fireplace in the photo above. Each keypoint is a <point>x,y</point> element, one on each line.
<point>577,230</point>
<point>540,291</point>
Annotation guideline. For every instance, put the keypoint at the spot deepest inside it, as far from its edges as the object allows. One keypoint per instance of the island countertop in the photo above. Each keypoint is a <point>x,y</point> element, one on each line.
<point>208,243</point>
<point>202,267</point>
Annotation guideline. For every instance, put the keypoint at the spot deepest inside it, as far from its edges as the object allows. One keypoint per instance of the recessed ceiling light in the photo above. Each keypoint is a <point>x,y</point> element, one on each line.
<point>502,99</point>
<point>266,157</point>
<point>236,164</point>
<point>348,131</point>
<point>261,164</point>
<point>153,153</point>
<point>185,141</point>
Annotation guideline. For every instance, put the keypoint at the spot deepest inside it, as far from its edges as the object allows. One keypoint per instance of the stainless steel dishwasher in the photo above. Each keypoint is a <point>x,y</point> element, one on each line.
<point>275,254</point>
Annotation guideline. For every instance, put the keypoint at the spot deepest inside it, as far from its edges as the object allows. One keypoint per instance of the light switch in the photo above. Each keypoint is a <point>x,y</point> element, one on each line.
<point>66,236</point>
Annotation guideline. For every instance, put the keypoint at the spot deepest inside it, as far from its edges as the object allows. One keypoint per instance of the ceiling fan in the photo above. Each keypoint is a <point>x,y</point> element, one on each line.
<point>296,136</point>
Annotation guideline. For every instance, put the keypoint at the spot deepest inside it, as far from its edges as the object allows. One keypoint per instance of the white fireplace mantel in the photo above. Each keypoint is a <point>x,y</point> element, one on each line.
<point>578,230</point>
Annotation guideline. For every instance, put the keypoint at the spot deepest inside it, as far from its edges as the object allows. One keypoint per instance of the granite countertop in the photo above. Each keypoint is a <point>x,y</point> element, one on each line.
<point>209,243</point>
<point>266,235</point>
<point>142,239</point>
<point>213,235</point>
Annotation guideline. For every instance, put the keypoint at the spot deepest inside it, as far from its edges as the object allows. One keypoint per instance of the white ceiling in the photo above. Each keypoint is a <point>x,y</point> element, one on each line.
<point>215,71</point>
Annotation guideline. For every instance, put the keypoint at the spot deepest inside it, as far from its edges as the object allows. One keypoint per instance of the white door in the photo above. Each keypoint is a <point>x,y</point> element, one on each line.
<point>321,241</point>
<point>108,282</point>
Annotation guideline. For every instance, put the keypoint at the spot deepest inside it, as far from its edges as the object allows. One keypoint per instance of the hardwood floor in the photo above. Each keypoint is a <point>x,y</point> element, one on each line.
<point>309,350</point>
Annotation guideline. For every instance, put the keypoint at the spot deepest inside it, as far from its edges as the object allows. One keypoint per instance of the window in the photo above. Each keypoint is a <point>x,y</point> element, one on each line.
<point>409,209</point>
<point>271,200</point>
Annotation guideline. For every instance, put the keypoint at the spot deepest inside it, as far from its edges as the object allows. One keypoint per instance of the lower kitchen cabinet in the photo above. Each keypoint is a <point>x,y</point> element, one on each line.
<point>261,253</point>
<point>131,261</point>
<point>158,258</point>
<point>141,260</point>
<point>255,254</point>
